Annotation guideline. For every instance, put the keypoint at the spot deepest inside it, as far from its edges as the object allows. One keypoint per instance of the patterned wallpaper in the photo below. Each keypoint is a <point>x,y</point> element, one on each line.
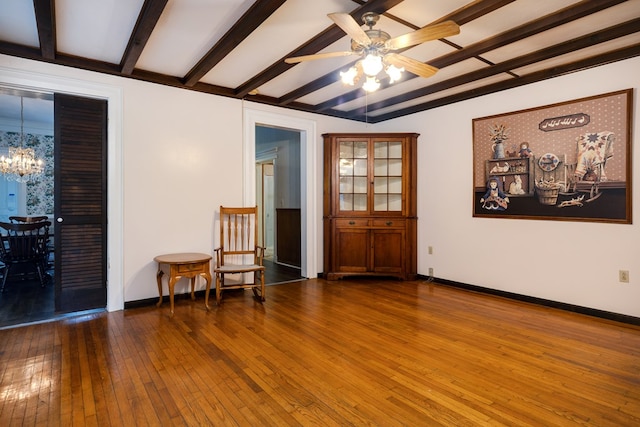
<point>39,193</point>
<point>607,114</point>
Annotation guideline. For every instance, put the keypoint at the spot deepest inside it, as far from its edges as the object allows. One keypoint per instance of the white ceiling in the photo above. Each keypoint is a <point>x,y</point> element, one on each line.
<point>165,40</point>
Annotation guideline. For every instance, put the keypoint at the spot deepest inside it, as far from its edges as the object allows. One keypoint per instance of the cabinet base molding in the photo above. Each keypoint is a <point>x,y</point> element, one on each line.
<point>338,276</point>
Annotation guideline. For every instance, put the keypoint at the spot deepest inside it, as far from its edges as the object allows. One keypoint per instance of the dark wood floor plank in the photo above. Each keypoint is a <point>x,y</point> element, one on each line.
<point>349,352</point>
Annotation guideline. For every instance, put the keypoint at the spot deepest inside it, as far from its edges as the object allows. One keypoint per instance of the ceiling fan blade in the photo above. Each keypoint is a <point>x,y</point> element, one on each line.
<point>351,27</point>
<point>430,32</point>
<point>296,59</point>
<point>416,67</point>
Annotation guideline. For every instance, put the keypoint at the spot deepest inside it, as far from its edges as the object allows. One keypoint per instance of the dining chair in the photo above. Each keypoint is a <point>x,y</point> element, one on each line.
<point>38,218</point>
<point>24,244</point>
<point>239,254</point>
<point>27,219</point>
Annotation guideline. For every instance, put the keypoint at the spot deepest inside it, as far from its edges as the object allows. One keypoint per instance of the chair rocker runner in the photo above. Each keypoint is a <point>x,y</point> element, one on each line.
<point>239,253</point>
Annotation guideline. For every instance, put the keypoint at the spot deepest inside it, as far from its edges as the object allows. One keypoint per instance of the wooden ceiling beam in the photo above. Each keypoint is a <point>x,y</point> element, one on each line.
<point>247,24</point>
<point>46,22</point>
<point>147,21</point>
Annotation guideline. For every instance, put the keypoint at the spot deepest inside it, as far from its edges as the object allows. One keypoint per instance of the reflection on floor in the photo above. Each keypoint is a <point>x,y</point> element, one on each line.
<point>278,273</point>
<point>25,301</point>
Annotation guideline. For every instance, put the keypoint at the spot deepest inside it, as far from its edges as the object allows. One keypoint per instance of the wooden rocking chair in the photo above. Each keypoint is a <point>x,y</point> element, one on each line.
<point>588,173</point>
<point>239,253</point>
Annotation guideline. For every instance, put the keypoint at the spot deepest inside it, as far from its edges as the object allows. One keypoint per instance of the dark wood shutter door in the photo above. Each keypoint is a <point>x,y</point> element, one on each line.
<point>80,203</point>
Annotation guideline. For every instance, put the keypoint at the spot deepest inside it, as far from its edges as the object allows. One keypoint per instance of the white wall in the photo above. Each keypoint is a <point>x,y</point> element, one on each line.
<point>570,262</point>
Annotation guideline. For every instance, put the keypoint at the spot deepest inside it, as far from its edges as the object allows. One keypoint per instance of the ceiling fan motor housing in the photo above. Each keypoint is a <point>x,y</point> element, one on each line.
<point>378,40</point>
<point>370,19</point>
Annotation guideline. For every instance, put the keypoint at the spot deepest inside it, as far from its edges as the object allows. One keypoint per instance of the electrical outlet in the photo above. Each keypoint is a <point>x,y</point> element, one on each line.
<point>430,271</point>
<point>430,250</point>
<point>623,276</point>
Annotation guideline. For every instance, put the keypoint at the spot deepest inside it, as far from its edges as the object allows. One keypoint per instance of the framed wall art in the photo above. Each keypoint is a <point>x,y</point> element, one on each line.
<point>566,161</point>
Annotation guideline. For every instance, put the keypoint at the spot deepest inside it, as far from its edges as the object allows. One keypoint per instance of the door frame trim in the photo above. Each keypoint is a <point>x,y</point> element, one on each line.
<point>35,81</point>
<point>308,206</point>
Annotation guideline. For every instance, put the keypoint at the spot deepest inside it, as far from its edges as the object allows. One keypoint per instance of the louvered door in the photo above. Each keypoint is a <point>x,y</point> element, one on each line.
<point>80,202</point>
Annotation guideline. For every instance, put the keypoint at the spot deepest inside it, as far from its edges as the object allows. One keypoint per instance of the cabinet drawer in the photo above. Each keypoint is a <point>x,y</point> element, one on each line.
<point>187,268</point>
<point>352,222</point>
<point>386,223</point>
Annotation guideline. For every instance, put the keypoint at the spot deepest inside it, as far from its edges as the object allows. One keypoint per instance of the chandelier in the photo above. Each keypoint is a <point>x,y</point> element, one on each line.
<point>21,164</point>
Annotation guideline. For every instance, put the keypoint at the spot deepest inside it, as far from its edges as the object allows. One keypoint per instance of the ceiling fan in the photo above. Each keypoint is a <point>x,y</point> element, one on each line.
<point>377,49</point>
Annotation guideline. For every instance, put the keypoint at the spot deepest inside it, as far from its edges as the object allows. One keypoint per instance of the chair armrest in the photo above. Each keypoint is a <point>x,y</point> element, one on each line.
<point>260,254</point>
<point>218,253</point>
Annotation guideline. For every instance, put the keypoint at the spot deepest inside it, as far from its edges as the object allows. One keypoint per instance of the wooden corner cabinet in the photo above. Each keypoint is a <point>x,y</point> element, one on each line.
<point>370,213</point>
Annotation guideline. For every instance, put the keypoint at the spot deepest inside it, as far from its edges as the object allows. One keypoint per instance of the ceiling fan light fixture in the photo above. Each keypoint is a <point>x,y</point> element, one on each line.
<point>371,85</point>
<point>377,49</point>
<point>394,73</point>
<point>372,64</point>
<point>349,77</point>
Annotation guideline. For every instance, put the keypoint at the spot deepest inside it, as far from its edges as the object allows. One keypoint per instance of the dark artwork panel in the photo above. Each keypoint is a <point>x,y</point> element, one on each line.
<point>566,161</point>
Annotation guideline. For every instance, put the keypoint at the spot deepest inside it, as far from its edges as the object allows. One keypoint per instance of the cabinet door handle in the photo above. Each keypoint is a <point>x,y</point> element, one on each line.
<point>352,223</point>
<point>389,223</point>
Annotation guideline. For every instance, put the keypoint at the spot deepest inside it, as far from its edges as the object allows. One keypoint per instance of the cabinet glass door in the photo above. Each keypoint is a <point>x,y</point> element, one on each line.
<point>353,175</point>
<point>387,176</point>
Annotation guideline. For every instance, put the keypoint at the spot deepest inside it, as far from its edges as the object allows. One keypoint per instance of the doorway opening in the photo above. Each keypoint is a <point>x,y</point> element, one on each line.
<point>24,299</point>
<point>114,231</point>
<point>75,247</point>
<point>278,197</point>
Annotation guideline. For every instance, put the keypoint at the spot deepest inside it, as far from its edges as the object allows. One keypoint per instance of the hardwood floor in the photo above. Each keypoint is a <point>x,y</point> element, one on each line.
<point>26,301</point>
<point>349,352</point>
